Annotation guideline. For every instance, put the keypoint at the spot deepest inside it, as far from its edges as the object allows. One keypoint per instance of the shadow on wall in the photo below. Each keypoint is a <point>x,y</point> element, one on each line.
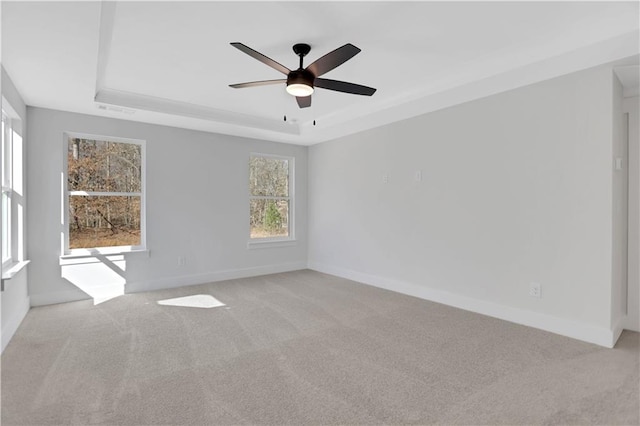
<point>102,277</point>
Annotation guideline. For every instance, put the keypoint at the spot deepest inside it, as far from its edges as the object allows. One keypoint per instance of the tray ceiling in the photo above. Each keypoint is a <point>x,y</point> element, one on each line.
<point>171,63</point>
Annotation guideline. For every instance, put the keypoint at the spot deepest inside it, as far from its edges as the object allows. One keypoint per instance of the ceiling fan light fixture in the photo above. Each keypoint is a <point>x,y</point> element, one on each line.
<point>299,89</point>
<point>300,83</point>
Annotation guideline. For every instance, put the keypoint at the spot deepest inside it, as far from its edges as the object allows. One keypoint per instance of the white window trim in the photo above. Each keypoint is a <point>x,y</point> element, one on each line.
<point>8,260</point>
<point>12,269</point>
<point>7,185</point>
<point>93,251</point>
<point>14,186</point>
<point>272,242</point>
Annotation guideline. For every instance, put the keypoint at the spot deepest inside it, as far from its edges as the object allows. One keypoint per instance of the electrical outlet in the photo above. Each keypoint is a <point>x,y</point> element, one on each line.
<point>182,260</point>
<point>418,176</point>
<point>385,178</point>
<point>535,290</point>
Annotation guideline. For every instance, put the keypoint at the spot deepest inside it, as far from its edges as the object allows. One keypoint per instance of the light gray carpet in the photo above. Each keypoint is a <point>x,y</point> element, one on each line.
<point>305,348</point>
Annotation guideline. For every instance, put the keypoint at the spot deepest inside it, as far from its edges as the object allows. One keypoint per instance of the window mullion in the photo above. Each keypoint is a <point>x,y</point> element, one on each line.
<point>267,197</point>
<point>104,194</point>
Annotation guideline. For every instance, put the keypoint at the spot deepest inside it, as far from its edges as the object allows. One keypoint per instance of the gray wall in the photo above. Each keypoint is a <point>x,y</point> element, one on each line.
<point>197,207</point>
<point>620,194</point>
<point>516,188</point>
<point>631,106</point>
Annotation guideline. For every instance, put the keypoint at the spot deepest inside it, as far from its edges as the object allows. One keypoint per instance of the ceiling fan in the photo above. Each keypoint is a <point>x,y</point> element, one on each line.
<point>301,82</point>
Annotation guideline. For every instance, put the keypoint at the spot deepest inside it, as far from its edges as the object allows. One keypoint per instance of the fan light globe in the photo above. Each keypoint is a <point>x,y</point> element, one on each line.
<point>297,89</point>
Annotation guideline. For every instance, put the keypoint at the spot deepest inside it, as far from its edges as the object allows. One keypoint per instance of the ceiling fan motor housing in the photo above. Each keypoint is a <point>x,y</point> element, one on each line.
<point>301,76</point>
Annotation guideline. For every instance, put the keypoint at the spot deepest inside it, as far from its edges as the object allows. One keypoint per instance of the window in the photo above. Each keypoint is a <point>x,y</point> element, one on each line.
<point>7,190</point>
<point>270,197</point>
<point>13,195</point>
<point>105,194</point>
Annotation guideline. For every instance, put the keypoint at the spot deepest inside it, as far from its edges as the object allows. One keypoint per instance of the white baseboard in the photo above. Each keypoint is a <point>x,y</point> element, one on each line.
<point>229,274</point>
<point>617,330</point>
<point>10,326</point>
<point>585,332</point>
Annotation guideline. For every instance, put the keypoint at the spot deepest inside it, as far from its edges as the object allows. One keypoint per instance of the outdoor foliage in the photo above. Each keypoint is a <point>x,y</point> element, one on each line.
<point>106,167</point>
<point>269,190</point>
<point>272,218</point>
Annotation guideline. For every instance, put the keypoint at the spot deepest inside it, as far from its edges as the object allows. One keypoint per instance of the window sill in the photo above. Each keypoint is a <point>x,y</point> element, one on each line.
<point>12,269</point>
<point>251,245</point>
<point>83,254</point>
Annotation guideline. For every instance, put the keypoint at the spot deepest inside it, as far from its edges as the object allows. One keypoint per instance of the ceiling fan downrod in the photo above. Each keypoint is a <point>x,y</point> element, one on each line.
<point>301,49</point>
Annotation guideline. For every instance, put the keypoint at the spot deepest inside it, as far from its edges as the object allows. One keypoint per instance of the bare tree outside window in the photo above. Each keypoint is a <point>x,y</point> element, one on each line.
<point>269,200</point>
<point>104,182</point>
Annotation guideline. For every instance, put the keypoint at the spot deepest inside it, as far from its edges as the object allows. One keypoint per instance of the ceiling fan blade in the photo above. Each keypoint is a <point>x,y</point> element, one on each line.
<point>259,56</point>
<point>333,59</point>
<point>257,83</point>
<point>304,101</point>
<point>343,86</point>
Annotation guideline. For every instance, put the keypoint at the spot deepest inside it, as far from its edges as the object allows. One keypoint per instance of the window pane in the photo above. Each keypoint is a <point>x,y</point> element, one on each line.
<point>6,151</point>
<point>6,245</point>
<point>104,166</point>
<point>269,177</point>
<point>104,221</point>
<point>269,218</point>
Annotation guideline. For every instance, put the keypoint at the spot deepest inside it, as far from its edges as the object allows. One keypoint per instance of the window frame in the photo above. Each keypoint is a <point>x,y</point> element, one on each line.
<point>66,195</point>
<point>274,241</point>
<point>13,184</point>
<point>7,186</point>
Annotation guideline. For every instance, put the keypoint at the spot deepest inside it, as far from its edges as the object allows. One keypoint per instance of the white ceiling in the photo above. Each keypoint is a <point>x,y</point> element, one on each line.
<point>171,63</point>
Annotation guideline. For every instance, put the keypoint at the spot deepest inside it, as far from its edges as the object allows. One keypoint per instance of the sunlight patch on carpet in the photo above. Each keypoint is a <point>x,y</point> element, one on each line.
<point>195,301</point>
